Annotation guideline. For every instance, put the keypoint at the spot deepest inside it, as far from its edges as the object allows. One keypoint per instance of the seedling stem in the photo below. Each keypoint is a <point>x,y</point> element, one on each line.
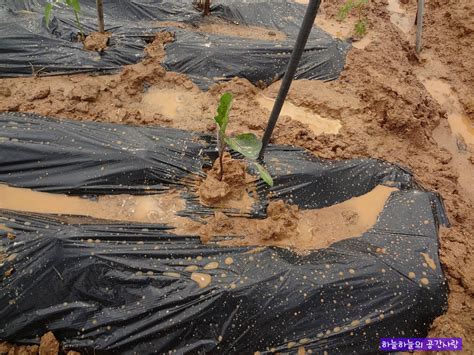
<point>246,144</point>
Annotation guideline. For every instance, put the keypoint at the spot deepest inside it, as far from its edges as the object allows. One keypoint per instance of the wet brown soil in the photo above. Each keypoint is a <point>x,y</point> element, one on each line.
<point>97,41</point>
<point>232,189</point>
<point>158,208</point>
<point>301,230</point>
<point>49,345</point>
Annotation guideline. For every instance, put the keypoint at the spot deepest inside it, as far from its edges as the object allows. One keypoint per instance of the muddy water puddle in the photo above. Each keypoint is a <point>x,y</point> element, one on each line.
<point>159,208</point>
<point>217,26</point>
<point>459,161</point>
<point>460,124</point>
<point>318,124</point>
<point>456,136</point>
<point>400,16</point>
<point>172,103</point>
<point>203,280</point>
<point>334,27</point>
<point>300,230</point>
<point>458,121</point>
<point>349,218</point>
<point>305,229</point>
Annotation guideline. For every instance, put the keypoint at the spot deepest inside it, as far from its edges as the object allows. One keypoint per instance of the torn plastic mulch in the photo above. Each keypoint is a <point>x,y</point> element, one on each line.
<point>29,46</point>
<point>130,292</point>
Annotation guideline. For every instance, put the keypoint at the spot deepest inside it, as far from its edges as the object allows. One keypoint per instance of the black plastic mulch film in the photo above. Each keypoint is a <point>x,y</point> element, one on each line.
<point>117,295</point>
<point>27,44</point>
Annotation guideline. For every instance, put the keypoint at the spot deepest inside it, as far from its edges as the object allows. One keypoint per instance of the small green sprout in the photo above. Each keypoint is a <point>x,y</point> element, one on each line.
<point>246,144</point>
<point>73,4</point>
<point>345,9</point>
<point>360,26</point>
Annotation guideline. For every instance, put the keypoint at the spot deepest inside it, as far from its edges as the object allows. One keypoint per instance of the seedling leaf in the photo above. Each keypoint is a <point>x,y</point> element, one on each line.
<point>357,6</point>
<point>246,143</point>
<point>74,4</point>
<point>47,12</point>
<point>345,9</point>
<point>222,118</point>
<point>264,174</point>
<point>360,28</point>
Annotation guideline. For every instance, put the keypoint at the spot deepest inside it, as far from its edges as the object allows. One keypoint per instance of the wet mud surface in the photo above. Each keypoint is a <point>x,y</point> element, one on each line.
<point>285,226</point>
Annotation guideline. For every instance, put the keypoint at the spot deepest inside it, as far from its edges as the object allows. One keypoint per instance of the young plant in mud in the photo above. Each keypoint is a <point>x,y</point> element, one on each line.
<point>72,4</point>
<point>360,26</point>
<point>75,6</point>
<point>246,144</point>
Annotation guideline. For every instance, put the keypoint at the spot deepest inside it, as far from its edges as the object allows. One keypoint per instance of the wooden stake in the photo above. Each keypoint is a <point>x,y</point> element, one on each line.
<point>419,24</point>
<point>207,7</point>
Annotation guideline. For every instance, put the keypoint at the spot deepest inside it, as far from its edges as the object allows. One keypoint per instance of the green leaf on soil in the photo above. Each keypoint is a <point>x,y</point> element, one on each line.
<point>246,144</point>
<point>264,174</point>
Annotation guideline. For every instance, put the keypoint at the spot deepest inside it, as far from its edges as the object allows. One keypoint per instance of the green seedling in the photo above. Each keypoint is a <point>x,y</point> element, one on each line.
<point>72,4</point>
<point>360,26</point>
<point>76,8</point>
<point>246,144</point>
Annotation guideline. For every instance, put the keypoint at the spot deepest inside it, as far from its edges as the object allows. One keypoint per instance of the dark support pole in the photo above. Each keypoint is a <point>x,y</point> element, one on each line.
<point>207,7</point>
<point>100,15</point>
<point>303,35</point>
